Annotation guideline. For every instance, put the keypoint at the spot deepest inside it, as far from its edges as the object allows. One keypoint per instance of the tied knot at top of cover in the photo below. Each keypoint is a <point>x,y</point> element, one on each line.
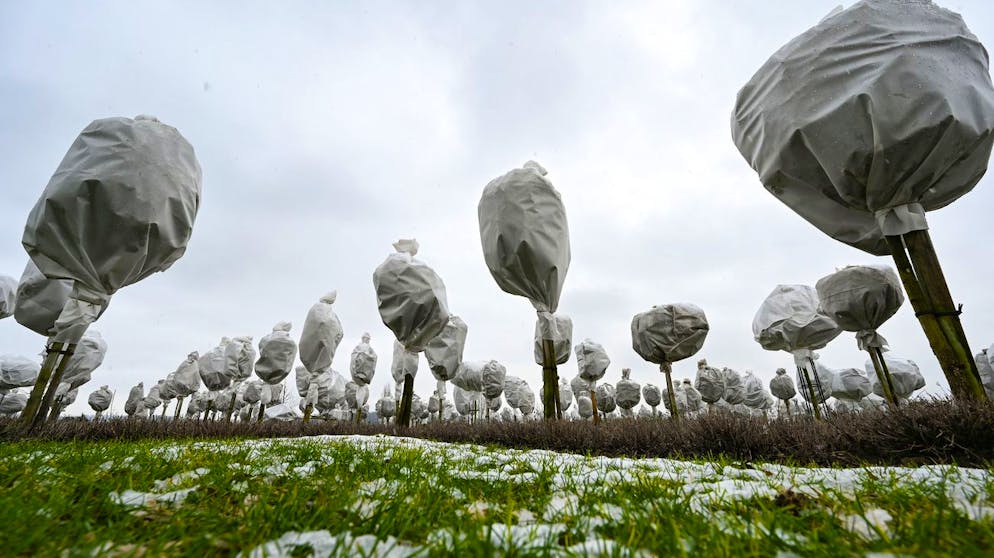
<point>120,206</point>
<point>872,117</point>
<point>525,236</point>
<point>411,298</point>
<point>861,298</point>
<point>669,333</point>
<point>789,319</point>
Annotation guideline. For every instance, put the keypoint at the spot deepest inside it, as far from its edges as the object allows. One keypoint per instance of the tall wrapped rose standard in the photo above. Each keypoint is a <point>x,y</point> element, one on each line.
<point>120,207</point>
<point>525,240</point>
<point>874,116</point>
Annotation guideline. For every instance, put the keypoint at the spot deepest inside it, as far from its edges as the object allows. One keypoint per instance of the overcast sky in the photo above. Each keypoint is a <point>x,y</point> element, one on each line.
<point>326,131</point>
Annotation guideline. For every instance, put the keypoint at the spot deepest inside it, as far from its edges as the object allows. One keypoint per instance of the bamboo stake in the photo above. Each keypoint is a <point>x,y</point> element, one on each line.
<point>593,402</point>
<point>806,383</point>
<point>550,379</point>
<point>53,385</point>
<point>883,376</point>
<point>667,370</point>
<point>406,400</point>
<point>933,283</point>
<point>179,407</point>
<point>817,379</point>
<point>262,411</point>
<point>41,383</point>
<point>959,380</point>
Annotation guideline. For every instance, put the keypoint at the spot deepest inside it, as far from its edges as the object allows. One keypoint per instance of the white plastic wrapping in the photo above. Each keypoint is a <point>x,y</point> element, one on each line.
<point>821,382</point>
<point>321,335</point>
<point>986,370</point>
<point>8,296</point>
<point>470,376</point>
<point>154,397</point>
<point>404,363</point>
<point>120,207</point>
<point>525,235</point>
<point>17,371</point>
<point>878,113</point>
<point>492,377</point>
<point>560,332</point>
<point>100,399</point>
<point>565,395</point>
<point>11,403</point>
<point>519,394</point>
<point>186,379</point>
<point>362,363</point>
<point>40,300</point>
<point>89,355</point>
<point>850,384</point>
<point>411,297</point>
<point>694,400</point>
<point>628,393</point>
<point>239,358</point>
<point>277,353</point>
<point>444,352</point>
<point>579,386</point>
<point>710,382</point>
<point>606,402</point>
<point>281,412</point>
<point>584,407</point>
<point>754,394</point>
<point>135,397</point>
<point>861,298</point>
<point>212,367</point>
<point>652,394</point>
<point>253,392</point>
<point>789,320</point>
<point>669,333</point>
<point>592,361</point>
<point>467,402</point>
<point>781,386</point>
<point>905,375</point>
<point>734,387</point>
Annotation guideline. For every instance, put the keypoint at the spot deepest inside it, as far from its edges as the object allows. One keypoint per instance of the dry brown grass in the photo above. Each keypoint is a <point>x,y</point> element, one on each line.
<point>935,431</point>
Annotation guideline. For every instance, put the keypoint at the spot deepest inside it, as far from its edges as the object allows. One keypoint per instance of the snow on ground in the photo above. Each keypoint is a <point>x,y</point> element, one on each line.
<point>708,488</point>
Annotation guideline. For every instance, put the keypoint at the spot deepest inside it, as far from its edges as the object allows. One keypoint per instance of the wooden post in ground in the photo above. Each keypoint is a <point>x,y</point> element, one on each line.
<point>550,379</point>
<point>404,415</point>
<point>53,384</point>
<point>883,376</point>
<point>179,407</point>
<point>929,295</point>
<point>593,402</point>
<point>806,381</point>
<point>52,353</point>
<point>667,370</point>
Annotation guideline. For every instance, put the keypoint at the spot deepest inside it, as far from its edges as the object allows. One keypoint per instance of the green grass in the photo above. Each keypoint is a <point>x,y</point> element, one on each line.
<point>462,500</point>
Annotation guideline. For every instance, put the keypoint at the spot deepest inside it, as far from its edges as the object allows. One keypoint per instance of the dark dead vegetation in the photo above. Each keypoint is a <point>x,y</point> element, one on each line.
<point>923,432</point>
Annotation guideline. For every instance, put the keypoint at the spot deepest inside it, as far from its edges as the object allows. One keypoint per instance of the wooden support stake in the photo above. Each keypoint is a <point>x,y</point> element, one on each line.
<point>53,385</point>
<point>41,383</point>
<point>550,379</point>
<point>962,373</point>
<point>593,403</point>
<point>806,383</point>
<point>179,407</point>
<point>262,411</point>
<point>308,409</point>
<point>883,375</point>
<point>667,370</point>
<point>407,399</point>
